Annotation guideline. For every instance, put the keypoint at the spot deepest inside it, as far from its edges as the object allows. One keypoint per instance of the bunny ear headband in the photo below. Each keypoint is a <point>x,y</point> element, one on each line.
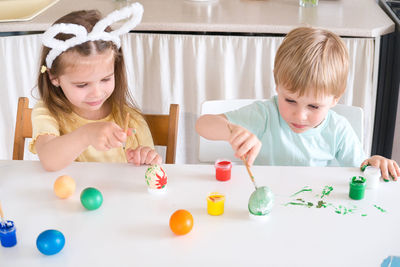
<point>134,12</point>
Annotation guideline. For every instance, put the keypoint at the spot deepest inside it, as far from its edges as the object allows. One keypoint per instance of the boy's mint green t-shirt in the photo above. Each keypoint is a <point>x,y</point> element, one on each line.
<point>333,142</point>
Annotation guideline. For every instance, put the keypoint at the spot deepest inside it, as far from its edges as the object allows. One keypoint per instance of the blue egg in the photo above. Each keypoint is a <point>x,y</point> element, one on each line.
<point>50,242</point>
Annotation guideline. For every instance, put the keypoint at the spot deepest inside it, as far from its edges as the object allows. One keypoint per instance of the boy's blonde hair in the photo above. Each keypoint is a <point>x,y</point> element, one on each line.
<point>312,60</point>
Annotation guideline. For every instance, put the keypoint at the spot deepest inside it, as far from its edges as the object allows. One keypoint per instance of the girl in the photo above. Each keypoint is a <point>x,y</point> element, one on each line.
<point>84,94</point>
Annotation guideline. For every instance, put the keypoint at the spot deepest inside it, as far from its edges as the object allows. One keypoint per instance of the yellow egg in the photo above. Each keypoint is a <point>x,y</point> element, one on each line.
<point>64,186</point>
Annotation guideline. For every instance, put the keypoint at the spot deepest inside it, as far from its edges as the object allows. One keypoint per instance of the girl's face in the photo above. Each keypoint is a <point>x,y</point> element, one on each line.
<point>305,112</point>
<point>87,82</point>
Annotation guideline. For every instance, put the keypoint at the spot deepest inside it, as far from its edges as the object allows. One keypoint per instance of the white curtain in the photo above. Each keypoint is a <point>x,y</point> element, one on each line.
<point>19,64</point>
<point>183,69</point>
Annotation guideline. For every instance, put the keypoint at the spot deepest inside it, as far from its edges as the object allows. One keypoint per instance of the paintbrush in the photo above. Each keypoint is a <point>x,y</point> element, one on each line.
<point>247,165</point>
<point>126,128</point>
<point>3,221</point>
<point>249,172</point>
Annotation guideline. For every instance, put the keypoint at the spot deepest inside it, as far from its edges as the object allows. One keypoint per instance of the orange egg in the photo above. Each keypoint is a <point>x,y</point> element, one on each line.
<point>64,186</point>
<point>181,222</point>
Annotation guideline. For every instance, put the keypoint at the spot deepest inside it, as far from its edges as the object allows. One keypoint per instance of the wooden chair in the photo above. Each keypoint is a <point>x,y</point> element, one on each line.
<point>164,129</point>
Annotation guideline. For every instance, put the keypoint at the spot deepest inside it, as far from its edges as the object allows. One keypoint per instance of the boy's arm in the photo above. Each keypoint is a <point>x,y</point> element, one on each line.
<point>243,142</point>
<point>387,166</point>
<point>213,127</point>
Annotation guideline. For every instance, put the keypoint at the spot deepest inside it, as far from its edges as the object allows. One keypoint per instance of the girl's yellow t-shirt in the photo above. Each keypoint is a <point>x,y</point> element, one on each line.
<point>43,122</point>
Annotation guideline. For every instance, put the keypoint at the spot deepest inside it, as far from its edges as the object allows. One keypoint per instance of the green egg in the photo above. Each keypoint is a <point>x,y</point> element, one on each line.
<point>261,201</point>
<point>91,198</point>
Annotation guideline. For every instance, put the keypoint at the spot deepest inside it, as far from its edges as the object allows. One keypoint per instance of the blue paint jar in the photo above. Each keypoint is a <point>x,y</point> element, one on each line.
<point>7,234</point>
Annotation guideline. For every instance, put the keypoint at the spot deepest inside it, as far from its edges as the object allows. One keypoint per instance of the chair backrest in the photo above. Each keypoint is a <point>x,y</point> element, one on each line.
<point>209,151</point>
<point>164,129</point>
<point>23,128</point>
<point>355,116</point>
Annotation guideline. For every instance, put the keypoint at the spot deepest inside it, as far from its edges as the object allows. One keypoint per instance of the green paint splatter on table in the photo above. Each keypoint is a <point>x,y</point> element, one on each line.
<point>304,189</point>
<point>300,202</point>
<point>379,208</point>
<point>321,204</point>
<point>294,204</point>
<point>326,191</point>
<point>343,210</point>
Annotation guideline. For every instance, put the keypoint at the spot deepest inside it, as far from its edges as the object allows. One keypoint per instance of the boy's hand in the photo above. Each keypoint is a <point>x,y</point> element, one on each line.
<point>387,166</point>
<point>143,155</point>
<point>104,135</point>
<point>244,143</point>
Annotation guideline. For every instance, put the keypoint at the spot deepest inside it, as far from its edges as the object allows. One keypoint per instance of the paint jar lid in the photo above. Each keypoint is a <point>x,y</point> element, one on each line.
<point>223,164</point>
<point>7,226</point>
<point>372,175</point>
<point>216,197</point>
<point>372,171</point>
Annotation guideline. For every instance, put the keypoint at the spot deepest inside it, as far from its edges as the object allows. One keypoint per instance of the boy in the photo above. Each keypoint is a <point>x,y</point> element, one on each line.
<point>297,127</point>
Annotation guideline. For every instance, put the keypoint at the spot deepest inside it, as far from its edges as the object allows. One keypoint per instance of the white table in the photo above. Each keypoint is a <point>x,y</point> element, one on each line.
<point>131,227</point>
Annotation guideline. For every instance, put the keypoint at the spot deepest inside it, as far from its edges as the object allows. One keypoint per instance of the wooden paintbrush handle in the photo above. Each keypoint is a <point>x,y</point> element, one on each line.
<point>1,213</point>
<point>248,168</point>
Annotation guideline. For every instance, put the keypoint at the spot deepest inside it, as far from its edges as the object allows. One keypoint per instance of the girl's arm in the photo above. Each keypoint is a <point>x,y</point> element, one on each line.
<point>57,152</point>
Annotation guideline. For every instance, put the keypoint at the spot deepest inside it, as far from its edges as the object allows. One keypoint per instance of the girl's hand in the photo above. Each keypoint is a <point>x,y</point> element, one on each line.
<point>143,155</point>
<point>104,135</point>
<point>387,166</point>
<point>244,143</point>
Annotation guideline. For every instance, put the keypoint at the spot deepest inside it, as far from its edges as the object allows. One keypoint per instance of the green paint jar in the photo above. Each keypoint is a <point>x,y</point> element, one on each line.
<point>357,187</point>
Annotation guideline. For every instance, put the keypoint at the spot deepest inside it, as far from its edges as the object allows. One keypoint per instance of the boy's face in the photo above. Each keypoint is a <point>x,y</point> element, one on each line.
<point>305,112</point>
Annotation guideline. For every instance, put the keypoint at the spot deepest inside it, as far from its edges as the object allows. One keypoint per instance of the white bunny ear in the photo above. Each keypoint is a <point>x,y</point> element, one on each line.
<point>59,46</point>
<point>134,12</point>
<point>49,40</point>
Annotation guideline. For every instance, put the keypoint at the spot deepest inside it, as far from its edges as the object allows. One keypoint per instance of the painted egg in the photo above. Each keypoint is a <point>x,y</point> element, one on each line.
<point>91,198</point>
<point>64,186</point>
<point>261,201</point>
<point>50,242</point>
<point>155,176</point>
<point>181,222</point>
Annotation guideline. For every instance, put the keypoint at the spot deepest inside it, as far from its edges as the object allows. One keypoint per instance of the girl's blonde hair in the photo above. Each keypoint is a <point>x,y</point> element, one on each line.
<point>54,98</point>
<point>312,60</point>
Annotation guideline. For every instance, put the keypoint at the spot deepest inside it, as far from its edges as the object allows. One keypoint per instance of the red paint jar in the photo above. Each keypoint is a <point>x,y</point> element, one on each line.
<point>223,169</point>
